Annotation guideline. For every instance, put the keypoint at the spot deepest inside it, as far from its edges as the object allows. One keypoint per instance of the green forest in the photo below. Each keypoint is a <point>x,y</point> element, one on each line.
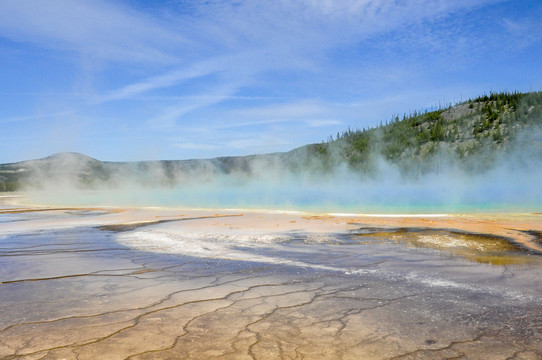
<point>471,136</point>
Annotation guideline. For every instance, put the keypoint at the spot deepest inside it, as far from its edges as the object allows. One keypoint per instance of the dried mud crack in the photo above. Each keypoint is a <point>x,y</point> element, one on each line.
<point>394,289</point>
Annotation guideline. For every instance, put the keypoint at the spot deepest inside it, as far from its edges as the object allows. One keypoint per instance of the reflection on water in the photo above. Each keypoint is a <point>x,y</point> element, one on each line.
<point>478,248</point>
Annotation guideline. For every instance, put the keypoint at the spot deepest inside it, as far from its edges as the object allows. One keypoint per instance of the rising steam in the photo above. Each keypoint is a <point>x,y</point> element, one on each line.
<point>300,180</point>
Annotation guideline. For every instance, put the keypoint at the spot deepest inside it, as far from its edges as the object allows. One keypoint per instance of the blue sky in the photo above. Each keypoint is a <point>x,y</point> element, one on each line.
<point>143,80</point>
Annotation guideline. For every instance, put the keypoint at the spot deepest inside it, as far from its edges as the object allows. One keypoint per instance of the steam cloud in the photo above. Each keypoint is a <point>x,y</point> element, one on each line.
<point>298,181</point>
<point>511,185</point>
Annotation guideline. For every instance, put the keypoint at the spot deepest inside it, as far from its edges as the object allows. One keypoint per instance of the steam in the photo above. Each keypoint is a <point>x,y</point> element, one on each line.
<point>269,186</point>
<point>299,180</point>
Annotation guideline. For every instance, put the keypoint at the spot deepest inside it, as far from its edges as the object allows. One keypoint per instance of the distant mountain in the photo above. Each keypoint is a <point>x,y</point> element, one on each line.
<point>470,137</point>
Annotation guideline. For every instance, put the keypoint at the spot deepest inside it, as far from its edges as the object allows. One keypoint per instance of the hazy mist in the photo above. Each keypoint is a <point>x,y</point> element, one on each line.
<point>268,182</point>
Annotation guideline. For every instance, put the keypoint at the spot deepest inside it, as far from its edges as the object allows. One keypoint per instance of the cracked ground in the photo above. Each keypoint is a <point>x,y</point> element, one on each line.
<point>80,293</point>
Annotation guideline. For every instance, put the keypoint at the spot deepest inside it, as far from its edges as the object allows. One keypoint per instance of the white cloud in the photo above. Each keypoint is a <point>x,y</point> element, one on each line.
<point>243,37</point>
<point>60,114</point>
<point>170,116</point>
<point>295,22</point>
<point>524,31</point>
<point>301,113</point>
<point>172,78</point>
<point>193,69</point>
<point>93,28</point>
<point>161,81</point>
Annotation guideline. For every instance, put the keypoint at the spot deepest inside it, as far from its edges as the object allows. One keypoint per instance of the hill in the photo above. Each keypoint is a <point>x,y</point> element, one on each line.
<point>471,137</point>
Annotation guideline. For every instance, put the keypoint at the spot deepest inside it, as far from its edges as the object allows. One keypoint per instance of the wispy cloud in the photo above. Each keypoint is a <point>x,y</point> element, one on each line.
<point>524,31</point>
<point>97,29</point>
<point>225,36</point>
<point>300,113</point>
<point>224,73</point>
<point>172,114</point>
<point>172,78</point>
<point>60,114</point>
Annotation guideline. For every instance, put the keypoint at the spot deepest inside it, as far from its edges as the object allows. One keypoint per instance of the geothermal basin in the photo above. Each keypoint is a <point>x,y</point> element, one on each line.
<point>165,283</point>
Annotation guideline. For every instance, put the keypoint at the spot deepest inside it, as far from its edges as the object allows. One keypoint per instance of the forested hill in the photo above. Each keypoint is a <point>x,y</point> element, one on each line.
<point>470,137</point>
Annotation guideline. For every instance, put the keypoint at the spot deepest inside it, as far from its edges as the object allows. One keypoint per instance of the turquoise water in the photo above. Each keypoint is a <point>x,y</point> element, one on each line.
<point>351,197</point>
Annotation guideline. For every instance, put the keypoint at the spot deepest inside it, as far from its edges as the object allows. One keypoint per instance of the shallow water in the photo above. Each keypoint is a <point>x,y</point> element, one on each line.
<point>163,291</point>
<point>343,194</point>
<point>479,248</point>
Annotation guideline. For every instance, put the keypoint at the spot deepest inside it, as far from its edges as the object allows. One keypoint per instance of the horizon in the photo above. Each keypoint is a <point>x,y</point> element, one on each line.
<point>128,81</point>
